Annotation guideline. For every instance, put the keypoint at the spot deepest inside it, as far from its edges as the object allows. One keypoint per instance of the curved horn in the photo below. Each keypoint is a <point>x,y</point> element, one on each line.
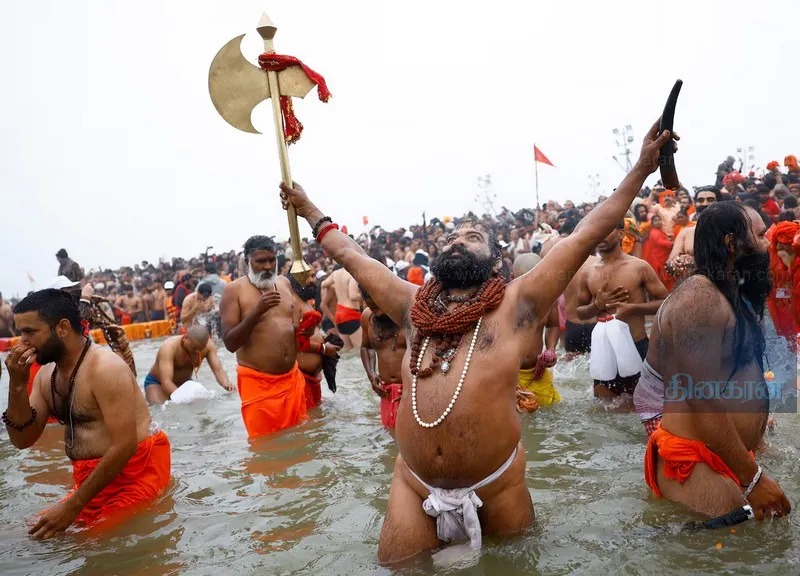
<point>236,86</point>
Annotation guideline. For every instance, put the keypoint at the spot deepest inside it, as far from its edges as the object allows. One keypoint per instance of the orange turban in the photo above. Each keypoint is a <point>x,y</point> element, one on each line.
<point>785,232</point>
<point>772,165</point>
<point>791,163</point>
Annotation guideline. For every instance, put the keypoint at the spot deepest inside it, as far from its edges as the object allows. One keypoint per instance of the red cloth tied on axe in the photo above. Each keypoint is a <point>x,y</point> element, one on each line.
<point>271,62</point>
<point>311,319</point>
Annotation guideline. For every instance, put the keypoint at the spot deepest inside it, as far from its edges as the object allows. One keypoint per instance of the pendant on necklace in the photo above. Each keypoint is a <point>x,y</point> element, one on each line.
<point>445,367</point>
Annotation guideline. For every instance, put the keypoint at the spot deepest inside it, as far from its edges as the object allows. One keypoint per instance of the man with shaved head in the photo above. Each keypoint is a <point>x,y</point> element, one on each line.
<point>178,360</point>
<point>535,380</point>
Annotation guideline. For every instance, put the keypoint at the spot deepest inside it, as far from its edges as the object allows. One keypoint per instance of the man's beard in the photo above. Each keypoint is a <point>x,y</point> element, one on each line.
<point>698,208</point>
<point>264,280</point>
<point>753,273</point>
<point>52,351</point>
<point>460,268</point>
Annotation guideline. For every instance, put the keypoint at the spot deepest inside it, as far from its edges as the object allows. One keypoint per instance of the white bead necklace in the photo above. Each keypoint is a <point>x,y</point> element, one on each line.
<point>441,418</point>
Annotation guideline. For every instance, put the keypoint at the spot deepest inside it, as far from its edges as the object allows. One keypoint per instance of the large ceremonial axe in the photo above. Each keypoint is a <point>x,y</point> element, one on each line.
<point>237,86</point>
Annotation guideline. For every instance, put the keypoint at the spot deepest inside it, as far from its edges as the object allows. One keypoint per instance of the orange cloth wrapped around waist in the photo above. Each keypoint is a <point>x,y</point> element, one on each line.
<point>271,402</point>
<point>679,456</point>
<point>345,314</point>
<point>313,390</point>
<point>143,478</point>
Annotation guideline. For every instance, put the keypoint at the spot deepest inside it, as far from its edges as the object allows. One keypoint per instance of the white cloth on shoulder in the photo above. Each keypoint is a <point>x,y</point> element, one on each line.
<point>456,510</point>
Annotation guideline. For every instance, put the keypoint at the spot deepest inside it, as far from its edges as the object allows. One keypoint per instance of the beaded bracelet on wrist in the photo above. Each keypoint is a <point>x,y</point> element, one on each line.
<point>19,427</point>
<point>318,225</point>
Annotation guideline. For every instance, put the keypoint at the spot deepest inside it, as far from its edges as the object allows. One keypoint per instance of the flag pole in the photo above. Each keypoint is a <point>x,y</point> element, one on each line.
<point>536,171</point>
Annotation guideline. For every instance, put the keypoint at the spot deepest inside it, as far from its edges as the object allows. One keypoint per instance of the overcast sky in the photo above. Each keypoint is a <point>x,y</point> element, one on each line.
<point>107,127</point>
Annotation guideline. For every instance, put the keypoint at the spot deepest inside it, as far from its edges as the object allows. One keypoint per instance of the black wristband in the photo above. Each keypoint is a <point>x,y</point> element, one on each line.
<point>19,427</point>
<point>318,225</point>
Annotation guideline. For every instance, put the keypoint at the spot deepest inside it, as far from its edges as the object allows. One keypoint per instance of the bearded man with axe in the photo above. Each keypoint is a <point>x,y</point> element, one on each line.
<point>461,468</point>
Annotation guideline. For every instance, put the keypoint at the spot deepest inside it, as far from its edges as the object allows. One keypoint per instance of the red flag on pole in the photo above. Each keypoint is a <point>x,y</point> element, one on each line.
<point>539,157</point>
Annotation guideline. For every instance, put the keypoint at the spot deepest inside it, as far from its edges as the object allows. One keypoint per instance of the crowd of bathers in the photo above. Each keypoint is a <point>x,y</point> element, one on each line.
<point>411,250</point>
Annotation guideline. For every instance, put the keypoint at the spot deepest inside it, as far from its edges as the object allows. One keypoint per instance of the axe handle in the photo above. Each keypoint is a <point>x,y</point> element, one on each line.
<point>283,153</point>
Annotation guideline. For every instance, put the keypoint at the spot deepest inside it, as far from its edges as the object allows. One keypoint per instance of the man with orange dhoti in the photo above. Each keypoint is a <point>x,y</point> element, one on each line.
<point>119,458</point>
<point>707,363</point>
<point>784,267</point>
<point>259,324</point>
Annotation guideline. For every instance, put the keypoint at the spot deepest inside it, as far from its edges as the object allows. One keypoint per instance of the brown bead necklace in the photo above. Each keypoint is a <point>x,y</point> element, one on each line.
<point>446,328</point>
<point>70,396</point>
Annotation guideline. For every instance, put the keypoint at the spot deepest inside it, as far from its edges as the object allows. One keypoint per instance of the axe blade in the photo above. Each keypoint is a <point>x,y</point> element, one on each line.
<point>236,86</point>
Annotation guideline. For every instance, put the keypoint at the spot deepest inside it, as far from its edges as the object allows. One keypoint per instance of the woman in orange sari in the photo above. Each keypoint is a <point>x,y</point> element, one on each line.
<point>656,252</point>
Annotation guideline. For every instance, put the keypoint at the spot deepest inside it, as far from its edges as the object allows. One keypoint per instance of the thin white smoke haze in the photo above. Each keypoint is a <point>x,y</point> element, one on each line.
<point>115,152</point>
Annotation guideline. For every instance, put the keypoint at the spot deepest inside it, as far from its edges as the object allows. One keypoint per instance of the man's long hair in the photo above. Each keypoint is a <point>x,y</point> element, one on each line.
<point>711,260</point>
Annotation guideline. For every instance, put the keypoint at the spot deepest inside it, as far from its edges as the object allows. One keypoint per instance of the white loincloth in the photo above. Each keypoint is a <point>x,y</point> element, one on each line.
<point>456,510</point>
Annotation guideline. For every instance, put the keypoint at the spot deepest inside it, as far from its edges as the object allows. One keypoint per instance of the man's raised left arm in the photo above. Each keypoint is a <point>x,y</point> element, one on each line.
<point>544,284</point>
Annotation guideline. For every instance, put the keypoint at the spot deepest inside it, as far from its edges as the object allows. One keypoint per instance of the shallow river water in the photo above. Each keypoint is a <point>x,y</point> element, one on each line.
<point>311,500</point>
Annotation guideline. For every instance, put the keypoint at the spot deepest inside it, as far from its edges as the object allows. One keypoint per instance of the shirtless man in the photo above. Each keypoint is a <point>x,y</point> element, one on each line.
<point>535,387</point>
<point>132,305</point>
<point>476,450</point>
<point>117,459</point>
<point>578,333</point>
<point>684,241</point>
<point>197,303</point>
<point>178,360</point>
<point>667,211</point>
<point>147,302</point>
<point>634,280</point>
<point>311,360</point>
<point>158,311</point>
<point>709,333</point>
<point>6,319</point>
<point>348,306</point>
<point>383,348</point>
<point>259,324</point>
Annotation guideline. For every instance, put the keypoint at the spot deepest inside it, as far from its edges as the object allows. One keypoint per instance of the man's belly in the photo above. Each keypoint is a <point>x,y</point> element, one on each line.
<point>91,439</point>
<point>469,445</point>
<point>272,362</point>
<point>272,348</point>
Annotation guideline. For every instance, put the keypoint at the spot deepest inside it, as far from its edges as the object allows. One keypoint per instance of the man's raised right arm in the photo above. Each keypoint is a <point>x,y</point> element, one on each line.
<point>392,294</point>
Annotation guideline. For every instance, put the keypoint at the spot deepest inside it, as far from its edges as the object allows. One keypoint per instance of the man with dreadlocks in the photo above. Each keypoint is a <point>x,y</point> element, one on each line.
<point>458,433</point>
<point>708,343</point>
